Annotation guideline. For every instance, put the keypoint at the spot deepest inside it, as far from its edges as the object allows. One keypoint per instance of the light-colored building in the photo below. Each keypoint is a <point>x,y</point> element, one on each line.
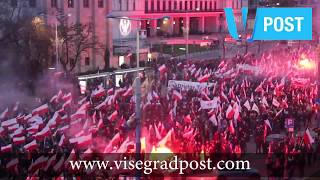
<point>202,17</point>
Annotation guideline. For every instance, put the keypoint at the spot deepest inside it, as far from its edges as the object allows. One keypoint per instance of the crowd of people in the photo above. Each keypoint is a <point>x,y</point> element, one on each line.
<point>216,110</point>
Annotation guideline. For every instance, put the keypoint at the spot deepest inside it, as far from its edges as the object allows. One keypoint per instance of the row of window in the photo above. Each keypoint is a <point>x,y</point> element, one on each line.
<point>86,3</point>
<point>54,3</point>
<point>186,5</point>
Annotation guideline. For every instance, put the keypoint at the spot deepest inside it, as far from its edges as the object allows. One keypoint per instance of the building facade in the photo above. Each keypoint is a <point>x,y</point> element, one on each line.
<point>192,17</point>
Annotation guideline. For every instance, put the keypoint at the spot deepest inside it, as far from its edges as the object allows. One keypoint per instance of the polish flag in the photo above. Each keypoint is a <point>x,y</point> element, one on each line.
<point>230,112</point>
<point>264,101</point>
<point>33,129</point>
<point>110,91</point>
<point>55,120</point>
<point>213,119</point>
<point>79,115</point>
<point>176,95</point>
<point>9,122</point>
<point>255,108</point>
<point>188,135</point>
<point>31,146</point>
<point>54,99</point>
<point>4,114</point>
<point>275,102</point>
<point>82,141</point>
<point>19,140</point>
<point>50,162</point>
<point>204,78</point>
<point>13,127</point>
<point>38,164</point>
<point>67,104</point>
<point>98,93</point>
<point>259,88</point>
<point>224,97</point>
<point>113,116</point>
<point>67,97</point>
<point>45,132</point>
<point>222,64</point>
<point>6,149</point>
<point>11,164</point>
<point>267,122</point>
<point>85,106</point>
<point>308,139</point>
<point>82,101</point>
<point>284,104</point>
<point>129,92</point>
<point>162,69</point>
<point>42,110</point>
<point>247,105</point>
<point>231,128</point>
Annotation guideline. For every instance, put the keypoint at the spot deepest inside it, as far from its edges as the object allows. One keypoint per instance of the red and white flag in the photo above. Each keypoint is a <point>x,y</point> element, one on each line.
<point>204,78</point>
<point>79,115</point>
<point>45,132</point>
<point>98,93</point>
<point>176,95</point>
<point>11,164</point>
<point>264,102</point>
<point>275,102</point>
<point>113,116</point>
<point>230,112</point>
<point>267,122</point>
<point>38,164</point>
<point>42,110</point>
<point>129,92</point>
<point>213,119</point>
<point>255,108</point>
<point>162,69</point>
<point>308,139</point>
<point>9,122</point>
<point>231,128</point>
<point>6,149</point>
<point>31,146</point>
<point>247,105</point>
<point>62,141</point>
<point>67,104</point>
<point>19,140</point>
<point>110,91</point>
<point>67,97</point>
<point>82,141</point>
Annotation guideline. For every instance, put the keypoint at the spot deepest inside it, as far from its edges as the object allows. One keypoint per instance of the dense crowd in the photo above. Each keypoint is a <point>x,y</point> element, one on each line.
<point>250,98</point>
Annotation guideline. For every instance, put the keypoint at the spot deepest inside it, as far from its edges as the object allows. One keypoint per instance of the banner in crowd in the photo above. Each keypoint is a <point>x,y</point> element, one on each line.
<point>187,85</point>
<point>248,68</point>
<point>210,104</point>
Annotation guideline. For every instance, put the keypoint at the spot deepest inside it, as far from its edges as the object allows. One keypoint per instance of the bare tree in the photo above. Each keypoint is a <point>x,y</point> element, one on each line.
<point>76,39</point>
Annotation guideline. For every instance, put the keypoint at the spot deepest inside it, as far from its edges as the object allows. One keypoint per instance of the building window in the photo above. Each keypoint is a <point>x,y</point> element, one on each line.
<point>158,5</point>
<point>164,6</point>
<point>152,5</point>
<point>175,5</point>
<point>196,5</point>
<point>53,3</point>
<point>100,3</point>
<point>170,4</point>
<point>215,5</point>
<point>237,4</point>
<point>201,5</point>
<point>70,3</point>
<point>14,3</point>
<point>186,5</point>
<point>206,5</point>
<point>134,5</point>
<point>87,61</point>
<point>85,3</point>
<point>32,3</point>
<point>181,6</point>
<point>146,5</point>
<point>210,5</point>
<point>191,5</point>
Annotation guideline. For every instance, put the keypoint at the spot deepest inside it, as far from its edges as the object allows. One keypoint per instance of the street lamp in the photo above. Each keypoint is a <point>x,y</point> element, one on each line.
<point>137,80</point>
<point>56,35</point>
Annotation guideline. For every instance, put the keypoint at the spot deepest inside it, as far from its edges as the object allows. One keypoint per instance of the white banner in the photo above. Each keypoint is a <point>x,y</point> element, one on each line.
<point>210,104</point>
<point>187,85</point>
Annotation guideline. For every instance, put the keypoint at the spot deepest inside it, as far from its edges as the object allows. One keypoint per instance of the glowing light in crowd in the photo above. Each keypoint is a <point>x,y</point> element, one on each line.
<point>161,153</point>
<point>305,63</point>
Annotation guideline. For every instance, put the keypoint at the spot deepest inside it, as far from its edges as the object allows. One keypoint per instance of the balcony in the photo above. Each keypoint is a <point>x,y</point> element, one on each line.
<point>147,11</point>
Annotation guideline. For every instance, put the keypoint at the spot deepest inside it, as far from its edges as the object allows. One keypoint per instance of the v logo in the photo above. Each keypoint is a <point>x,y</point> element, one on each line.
<point>232,27</point>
